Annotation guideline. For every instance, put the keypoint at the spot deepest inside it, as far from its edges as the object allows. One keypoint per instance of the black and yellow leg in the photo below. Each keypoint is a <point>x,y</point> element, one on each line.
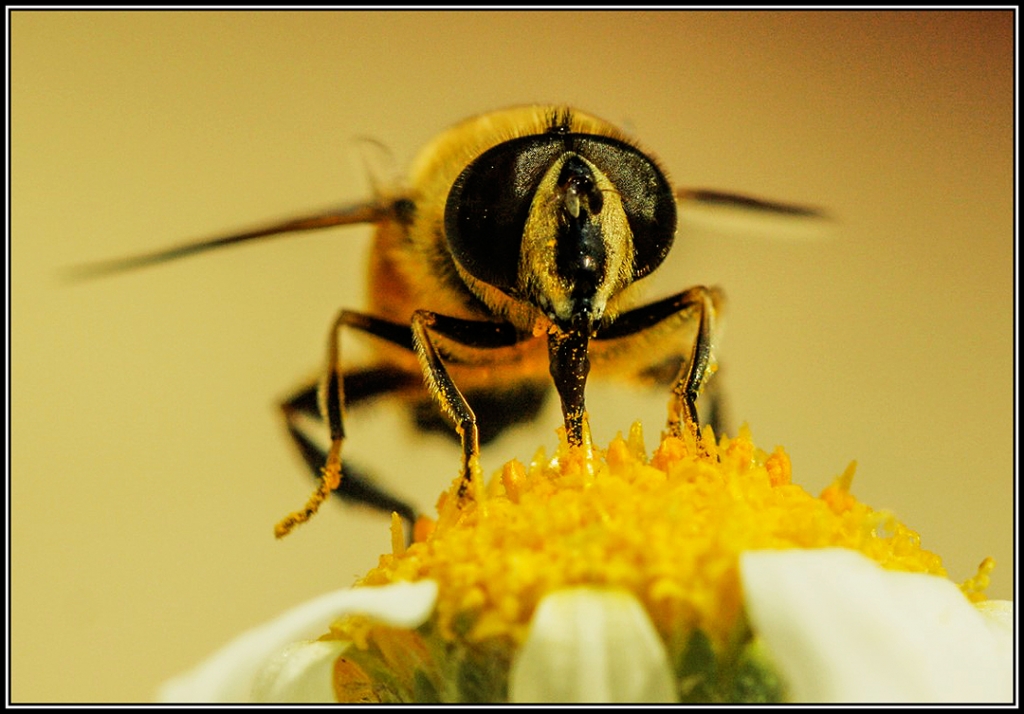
<point>470,333</point>
<point>360,385</point>
<point>415,338</point>
<point>696,303</point>
<point>332,404</point>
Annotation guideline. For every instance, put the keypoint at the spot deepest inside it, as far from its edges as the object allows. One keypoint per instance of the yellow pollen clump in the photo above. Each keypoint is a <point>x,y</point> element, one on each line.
<point>669,529</point>
<point>974,587</point>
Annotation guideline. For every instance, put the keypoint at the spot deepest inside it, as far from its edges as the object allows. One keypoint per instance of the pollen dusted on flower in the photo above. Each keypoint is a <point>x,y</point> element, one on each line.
<point>668,529</point>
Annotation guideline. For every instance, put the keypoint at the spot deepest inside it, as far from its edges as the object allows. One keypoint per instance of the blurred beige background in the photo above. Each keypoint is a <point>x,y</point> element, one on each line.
<point>148,461</point>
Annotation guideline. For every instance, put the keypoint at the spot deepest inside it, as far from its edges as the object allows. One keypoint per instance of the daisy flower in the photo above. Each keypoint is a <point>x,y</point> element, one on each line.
<point>700,573</point>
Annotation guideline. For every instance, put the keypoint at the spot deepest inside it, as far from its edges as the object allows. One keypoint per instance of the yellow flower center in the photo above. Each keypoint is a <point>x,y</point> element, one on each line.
<point>669,529</point>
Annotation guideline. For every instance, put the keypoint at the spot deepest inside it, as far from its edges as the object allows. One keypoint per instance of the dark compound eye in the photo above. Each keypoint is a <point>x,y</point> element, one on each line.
<point>489,203</point>
<point>646,196</point>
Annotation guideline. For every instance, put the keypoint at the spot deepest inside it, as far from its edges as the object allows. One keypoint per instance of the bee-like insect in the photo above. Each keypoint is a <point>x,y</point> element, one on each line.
<point>508,265</point>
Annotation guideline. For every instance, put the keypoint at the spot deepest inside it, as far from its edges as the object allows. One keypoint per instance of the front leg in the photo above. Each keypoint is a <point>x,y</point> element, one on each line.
<point>470,333</point>
<point>696,304</point>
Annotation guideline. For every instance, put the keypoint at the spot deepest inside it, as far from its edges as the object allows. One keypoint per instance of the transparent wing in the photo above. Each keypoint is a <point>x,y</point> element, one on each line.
<point>370,212</point>
<point>747,216</point>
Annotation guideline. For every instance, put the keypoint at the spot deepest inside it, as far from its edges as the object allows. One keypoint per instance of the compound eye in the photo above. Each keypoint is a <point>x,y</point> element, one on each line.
<point>647,198</point>
<point>489,204</point>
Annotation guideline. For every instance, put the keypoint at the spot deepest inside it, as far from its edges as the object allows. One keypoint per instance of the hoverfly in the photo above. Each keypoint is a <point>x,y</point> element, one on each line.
<point>509,265</point>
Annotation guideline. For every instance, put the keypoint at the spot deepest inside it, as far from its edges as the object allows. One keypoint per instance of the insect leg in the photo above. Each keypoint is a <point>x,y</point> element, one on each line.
<point>715,407</point>
<point>360,385</point>
<point>698,301</point>
<point>497,408</point>
<point>332,405</point>
<point>471,333</point>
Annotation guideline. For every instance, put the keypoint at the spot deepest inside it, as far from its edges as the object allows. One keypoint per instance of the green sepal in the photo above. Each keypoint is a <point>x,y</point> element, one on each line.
<point>741,673</point>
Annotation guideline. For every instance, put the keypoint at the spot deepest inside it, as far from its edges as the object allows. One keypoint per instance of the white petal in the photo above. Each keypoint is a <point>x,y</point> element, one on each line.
<point>229,674</point>
<point>591,645</point>
<point>998,616</point>
<point>843,629</point>
<point>301,673</point>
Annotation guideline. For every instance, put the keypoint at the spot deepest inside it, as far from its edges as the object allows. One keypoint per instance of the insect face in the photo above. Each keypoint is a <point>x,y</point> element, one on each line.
<point>562,220</point>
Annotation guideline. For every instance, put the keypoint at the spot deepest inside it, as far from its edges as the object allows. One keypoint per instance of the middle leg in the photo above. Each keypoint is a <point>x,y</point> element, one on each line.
<point>331,405</point>
<point>360,386</point>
